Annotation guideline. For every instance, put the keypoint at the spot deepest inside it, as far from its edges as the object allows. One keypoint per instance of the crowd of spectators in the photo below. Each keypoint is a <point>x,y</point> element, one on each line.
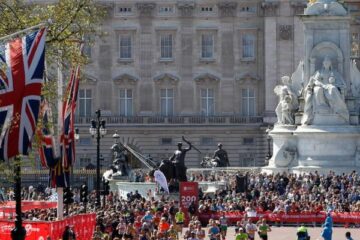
<point>286,193</point>
<point>144,217</point>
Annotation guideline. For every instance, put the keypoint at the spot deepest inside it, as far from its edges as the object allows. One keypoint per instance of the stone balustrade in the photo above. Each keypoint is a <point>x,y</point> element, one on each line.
<point>187,120</point>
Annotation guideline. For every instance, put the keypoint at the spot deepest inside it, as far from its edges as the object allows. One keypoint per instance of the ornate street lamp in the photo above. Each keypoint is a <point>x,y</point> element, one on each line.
<point>268,138</point>
<point>77,134</point>
<point>98,128</point>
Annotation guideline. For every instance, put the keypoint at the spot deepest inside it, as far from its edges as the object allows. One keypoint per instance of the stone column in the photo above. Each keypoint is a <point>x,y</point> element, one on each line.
<point>270,12</point>
<point>104,85</point>
<point>146,53</point>
<point>298,8</point>
<point>186,84</point>
<point>227,12</point>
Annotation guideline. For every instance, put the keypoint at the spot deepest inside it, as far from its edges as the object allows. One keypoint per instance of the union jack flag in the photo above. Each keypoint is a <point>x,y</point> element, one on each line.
<point>46,136</point>
<point>20,89</point>
<point>59,176</point>
<point>68,118</point>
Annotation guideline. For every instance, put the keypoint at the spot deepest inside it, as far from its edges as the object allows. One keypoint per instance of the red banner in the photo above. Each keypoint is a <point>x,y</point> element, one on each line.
<point>308,217</point>
<point>189,192</point>
<point>83,225</point>
<point>8,208</point>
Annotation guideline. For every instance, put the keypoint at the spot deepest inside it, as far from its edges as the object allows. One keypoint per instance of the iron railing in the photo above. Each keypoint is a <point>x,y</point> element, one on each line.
<point>172,120</point>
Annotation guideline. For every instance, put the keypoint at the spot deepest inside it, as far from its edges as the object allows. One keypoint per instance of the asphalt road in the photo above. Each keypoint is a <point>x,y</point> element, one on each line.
<point>289,233</point>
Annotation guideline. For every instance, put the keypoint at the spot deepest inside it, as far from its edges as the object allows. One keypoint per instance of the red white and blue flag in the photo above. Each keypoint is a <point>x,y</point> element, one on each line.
<point>46,136</point>
<point>68,119</point>
<point>22,60</point>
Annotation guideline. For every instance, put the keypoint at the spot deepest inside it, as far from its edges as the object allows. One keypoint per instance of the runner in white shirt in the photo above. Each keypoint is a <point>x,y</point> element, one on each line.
<point>251,230</point>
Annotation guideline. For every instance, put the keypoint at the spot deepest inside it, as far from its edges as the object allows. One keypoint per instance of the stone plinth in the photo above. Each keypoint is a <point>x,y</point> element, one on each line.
<point>327,146</point>
<point>312,148</point>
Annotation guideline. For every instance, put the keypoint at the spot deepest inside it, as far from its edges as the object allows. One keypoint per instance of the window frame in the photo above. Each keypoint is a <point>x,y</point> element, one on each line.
<point>207,98</point>
<point>167,98</point>
<point>126,99</point>
<point>170,46</point>
<point>203,48</point>
<point>130,37</point>
<point>246,100</point>
<point>85,99</point>
<point>245,43</point>
<point>166,13</point>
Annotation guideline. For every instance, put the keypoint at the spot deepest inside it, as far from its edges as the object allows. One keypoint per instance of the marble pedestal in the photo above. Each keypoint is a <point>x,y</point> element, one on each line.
<point>315,148</point>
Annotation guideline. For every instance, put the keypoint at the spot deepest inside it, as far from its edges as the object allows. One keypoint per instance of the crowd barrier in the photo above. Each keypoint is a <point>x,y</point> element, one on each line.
<point>7,209</point>
<point>83,225</point>
<point>308,217</point>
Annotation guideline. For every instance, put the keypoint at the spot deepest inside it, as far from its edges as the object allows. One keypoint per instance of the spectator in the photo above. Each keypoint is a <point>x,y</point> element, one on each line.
<point>68,234</point>
<point>348,236</point>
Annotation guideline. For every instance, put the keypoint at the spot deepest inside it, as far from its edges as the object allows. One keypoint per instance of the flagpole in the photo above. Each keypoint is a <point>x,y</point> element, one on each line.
<point>60,190</point>
<point>48,22</point>
<point>19,232</point>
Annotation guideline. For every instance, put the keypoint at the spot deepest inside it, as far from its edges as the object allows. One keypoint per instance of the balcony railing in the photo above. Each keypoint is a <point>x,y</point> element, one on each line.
<point>173,120</point>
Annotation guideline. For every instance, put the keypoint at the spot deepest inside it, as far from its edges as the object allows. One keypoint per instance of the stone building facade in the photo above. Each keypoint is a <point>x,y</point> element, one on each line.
<point>203,69</point>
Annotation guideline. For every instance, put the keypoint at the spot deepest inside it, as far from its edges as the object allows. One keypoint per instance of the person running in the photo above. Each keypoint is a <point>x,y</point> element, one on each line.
<point>179,219</point>
<point>241,235</point>
<point>214,231</point>
<point>251,229</point>
<point>263,230</point>
<point>200,233</point>
<point>302,233</point>
<point>172,233</point>
<point>223,225</point>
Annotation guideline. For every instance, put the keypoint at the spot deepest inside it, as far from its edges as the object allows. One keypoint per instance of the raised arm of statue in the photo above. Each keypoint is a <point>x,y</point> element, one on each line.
<point>188,142</point>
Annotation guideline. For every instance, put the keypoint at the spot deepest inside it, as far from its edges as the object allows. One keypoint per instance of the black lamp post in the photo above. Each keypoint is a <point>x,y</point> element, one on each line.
<point>98,128</point>
<point>268,138</point>
<point>19,232</point>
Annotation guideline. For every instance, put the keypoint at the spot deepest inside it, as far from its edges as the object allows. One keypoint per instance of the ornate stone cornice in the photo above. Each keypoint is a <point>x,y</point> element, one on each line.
<point>125,78</point>
<point>206,76</point>
<point>166,76</point>
<point>270,7</point>
<point>145,9</point>
<point>227,9</point>
<point>186,8</point>
<point>247,76</point>
<point>298,6</point>
<point>88,80</point>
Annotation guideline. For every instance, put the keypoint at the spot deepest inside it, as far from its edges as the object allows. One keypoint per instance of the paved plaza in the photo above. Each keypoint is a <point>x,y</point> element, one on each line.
<point>289,233</point>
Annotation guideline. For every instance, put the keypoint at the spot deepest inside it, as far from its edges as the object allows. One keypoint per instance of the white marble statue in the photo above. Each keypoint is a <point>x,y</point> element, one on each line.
<point>288,96</point>
<point>288,102</point>
<point>355,79</point>
<point>325,93</point>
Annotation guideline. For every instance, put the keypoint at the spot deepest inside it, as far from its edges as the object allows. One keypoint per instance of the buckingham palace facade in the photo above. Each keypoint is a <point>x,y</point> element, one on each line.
<point>203,69</point>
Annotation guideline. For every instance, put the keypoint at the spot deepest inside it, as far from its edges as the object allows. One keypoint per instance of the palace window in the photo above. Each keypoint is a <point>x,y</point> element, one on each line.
<point>166,141</point>
<point>248,102</point>
<point>207,101</point>
<point>125,47</point>
<point>126,102</point>
<point>85,101</point>
<point>166,46</point>
<point>167,101</point>
<point>207,46</point>
<point>164,10</point>
<point>125,10</point>
<point>248,9</point>
<point>248,46</point>
<point>206,9</point>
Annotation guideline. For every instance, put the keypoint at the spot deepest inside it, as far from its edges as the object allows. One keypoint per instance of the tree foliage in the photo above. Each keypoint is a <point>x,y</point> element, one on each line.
<point>71,21</point>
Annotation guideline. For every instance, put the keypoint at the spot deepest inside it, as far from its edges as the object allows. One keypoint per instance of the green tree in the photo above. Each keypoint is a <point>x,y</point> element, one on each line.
<point>71,21</point>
